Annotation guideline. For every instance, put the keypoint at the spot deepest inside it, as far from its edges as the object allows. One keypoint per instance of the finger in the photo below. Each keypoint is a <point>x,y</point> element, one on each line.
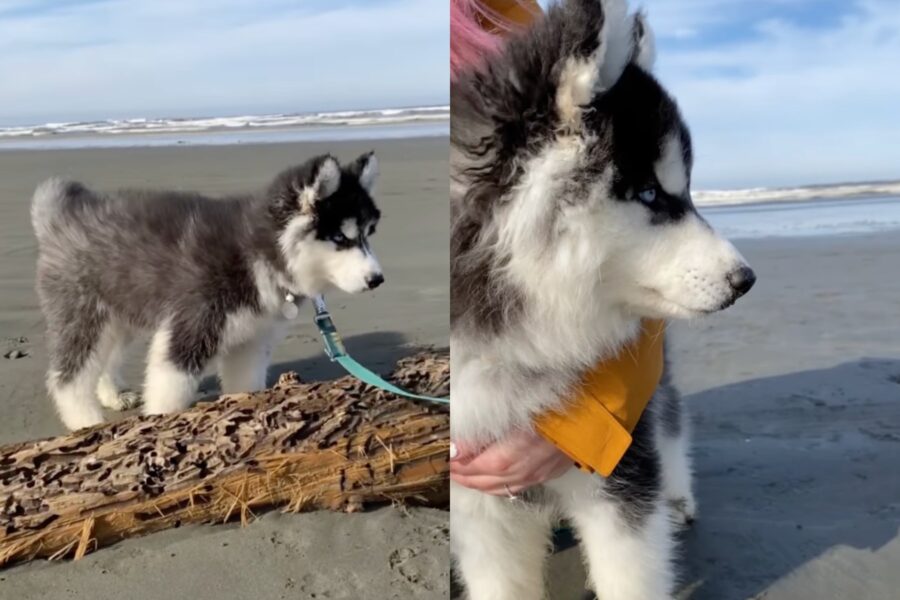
<point>466,468</point>
<point>486,465</point>
<point>496,459</point>
<point>461,452</point>
<point>506,491</point>
<point>467,481</point>
<point>502,491</point>
<point>521,476</point>
<point>489,483</point>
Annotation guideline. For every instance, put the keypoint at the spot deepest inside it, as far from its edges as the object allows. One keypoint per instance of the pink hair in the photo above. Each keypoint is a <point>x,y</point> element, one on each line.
<point>470,40</point>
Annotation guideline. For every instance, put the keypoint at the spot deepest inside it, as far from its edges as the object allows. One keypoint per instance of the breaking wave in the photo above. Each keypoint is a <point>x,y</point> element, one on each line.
<point>387,116</point>
<point>797,194</point>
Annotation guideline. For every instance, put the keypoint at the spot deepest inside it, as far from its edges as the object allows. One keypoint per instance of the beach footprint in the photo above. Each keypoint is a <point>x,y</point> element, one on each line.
<point>401,563</point>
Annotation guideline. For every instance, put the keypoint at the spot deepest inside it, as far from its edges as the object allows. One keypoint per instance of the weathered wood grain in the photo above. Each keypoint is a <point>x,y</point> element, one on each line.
<point>336,445</point>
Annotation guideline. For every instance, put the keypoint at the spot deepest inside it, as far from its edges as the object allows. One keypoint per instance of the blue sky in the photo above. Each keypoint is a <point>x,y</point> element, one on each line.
<point>65,60</point>
<point>784,92</point>
<point>777,92</point>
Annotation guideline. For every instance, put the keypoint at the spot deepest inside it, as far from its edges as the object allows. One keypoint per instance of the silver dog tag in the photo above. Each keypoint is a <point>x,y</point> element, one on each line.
<point>289,308</point>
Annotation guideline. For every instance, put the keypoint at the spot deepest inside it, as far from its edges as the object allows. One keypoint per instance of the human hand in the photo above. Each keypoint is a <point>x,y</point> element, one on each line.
<point>521,460</point>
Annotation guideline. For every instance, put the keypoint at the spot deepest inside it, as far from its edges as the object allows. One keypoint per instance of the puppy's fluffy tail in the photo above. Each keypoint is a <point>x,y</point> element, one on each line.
<point>46,204</point>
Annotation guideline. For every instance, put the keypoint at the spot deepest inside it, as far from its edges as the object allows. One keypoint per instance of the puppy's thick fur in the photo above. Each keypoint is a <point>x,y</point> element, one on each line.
<point>208,278</point>
<point>572,220</point>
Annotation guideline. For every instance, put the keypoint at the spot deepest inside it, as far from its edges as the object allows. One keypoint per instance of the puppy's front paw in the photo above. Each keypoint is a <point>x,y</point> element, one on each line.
<point>130,399</point>
<point>120,401</point>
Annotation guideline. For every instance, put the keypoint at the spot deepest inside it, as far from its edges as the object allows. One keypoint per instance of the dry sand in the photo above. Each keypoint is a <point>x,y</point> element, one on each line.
<point>795,399</point>
<point>385,553</point>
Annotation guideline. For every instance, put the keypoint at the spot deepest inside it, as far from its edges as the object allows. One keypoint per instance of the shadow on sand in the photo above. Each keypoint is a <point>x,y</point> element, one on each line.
<point>379,351</point>
<point>796,475</point>
<point>789,468</point>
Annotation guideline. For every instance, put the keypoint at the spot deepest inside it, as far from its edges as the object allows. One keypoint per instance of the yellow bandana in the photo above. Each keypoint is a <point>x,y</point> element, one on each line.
<point>595,429</point>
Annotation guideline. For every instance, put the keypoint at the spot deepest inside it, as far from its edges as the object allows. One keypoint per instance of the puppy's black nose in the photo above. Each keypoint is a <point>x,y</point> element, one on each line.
<point>374,280</point>
<point>741,280</point>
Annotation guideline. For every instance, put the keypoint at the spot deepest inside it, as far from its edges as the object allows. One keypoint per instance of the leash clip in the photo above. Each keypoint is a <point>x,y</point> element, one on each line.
<point>334,346</point>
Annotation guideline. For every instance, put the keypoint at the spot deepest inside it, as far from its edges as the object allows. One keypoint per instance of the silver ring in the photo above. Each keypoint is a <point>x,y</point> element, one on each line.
<point>509,493</point>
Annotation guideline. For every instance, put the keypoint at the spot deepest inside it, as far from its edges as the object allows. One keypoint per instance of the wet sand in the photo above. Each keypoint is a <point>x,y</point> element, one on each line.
<point>385,553</point>
<point>795,398</point>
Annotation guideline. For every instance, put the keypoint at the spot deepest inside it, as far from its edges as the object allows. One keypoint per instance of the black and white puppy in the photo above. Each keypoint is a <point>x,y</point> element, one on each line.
<point>209,278</point>
<point>571,221</point>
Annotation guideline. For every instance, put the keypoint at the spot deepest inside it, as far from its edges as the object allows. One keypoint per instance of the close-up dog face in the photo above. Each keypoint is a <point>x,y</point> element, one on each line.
<point>657,254</point>
<point>579,170</point>
<point>326,217</point>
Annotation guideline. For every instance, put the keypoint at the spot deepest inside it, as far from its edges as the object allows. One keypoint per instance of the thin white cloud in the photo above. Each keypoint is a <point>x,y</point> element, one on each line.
<point>791,104</point>
<point>773,100</point>
<point>147,58</point>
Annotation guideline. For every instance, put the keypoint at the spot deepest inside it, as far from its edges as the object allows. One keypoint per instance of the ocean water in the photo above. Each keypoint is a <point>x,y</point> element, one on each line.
<point>391,123</point>
<point>225,138</point>
<point>814,217</point>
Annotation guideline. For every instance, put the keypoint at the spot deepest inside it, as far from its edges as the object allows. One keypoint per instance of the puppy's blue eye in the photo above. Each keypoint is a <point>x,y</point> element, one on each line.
<point>647,195</point>
<point>339,238</point>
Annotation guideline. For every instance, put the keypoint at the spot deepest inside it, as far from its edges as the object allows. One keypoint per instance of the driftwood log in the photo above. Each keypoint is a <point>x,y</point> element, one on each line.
<point>333,445</point>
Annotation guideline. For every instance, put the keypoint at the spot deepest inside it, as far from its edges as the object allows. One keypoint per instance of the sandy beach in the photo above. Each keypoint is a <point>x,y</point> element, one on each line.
<point>793,394</point>
<point>795,398</point>
<point>384,553</point>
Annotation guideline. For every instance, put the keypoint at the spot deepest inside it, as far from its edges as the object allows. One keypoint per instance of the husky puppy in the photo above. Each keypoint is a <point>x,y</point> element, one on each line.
<point>572,220</point>
<point>213,280</point>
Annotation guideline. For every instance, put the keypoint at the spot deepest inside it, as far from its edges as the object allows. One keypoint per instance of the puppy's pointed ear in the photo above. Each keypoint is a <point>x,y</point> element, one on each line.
<point>366,169</point>
<point>323,180</point>
<point>601,46</point>
<point>644,43</point>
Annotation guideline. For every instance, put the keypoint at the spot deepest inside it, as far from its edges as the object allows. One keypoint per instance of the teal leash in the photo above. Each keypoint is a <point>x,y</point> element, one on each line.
<point>334,348</point>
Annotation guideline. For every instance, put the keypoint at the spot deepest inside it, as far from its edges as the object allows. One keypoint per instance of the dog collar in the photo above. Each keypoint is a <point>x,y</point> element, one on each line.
<point>594,428</point>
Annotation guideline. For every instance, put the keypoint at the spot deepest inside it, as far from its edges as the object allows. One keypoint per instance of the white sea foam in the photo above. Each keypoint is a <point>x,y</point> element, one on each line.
<point>797,194</point>
<point>387,116</point>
